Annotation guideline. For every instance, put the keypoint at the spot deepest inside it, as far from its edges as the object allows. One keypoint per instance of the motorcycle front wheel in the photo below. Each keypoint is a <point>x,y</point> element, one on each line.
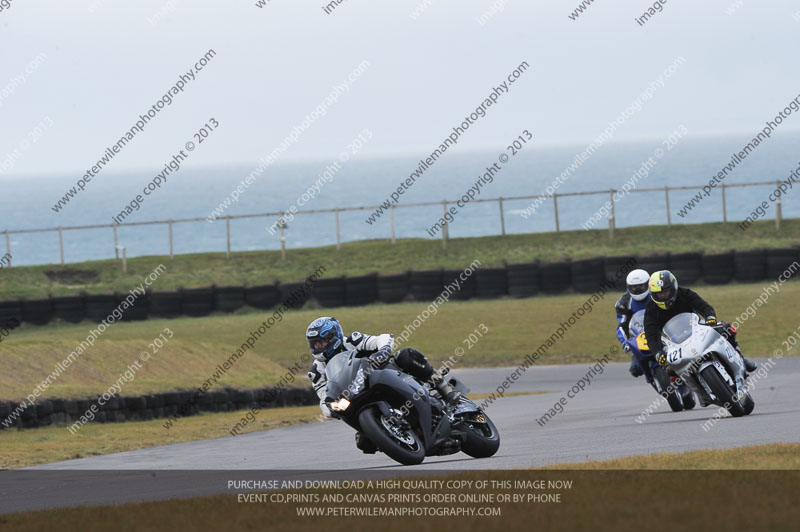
<point>402,445</point>
<point>723,391</point>
<point>482,439</point>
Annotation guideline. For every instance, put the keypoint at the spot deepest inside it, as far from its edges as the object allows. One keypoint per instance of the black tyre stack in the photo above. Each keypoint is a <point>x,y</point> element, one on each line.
<point>491,283</point>
<point>556,277</point>
<point>361,290</point>
<point>426,285</point>
<point>780,260</point>
<point>198,301</point>
<point>588,275</point>
<point>751,265</point>
<point>718,268</point>
<point>99,306</point>
<point>69,308</point>
<point>330,292</point>
<point>165,304</point>
<point>686,267</point>
<point>523,279</point>
<point>463,289</point>
<point>228,298</point>
<point>393,288</point>
<point>264,296</point>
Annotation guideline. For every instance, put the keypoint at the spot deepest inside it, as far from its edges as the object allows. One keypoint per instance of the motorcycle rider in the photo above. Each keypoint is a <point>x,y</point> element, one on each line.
<point>326,340</point>
<point>631,302</point>
<point>667,300</point>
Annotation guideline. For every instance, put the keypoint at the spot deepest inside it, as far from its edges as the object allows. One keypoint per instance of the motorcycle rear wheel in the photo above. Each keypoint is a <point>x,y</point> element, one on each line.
<point>372,425</point>
<point>723,391</point>
<point>674,398</point>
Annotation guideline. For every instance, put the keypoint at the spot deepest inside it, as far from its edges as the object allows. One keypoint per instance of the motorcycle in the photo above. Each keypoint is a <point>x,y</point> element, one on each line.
<point>406,419</point>
<point>678,397</point>
<point>707,363</point>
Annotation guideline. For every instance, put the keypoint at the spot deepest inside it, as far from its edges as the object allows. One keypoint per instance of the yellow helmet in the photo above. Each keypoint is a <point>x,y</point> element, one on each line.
<point>663,289</point>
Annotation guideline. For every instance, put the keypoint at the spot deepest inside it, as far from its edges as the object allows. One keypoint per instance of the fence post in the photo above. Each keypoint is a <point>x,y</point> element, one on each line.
<point>283,243</point>
<point>116,243</point>
<point>555,209</point>
<point>778,210</point>
<point>8,249</point>
<point>61,244</point>
<point>724,206</point>
<point>666,197</point>
<point>338,237</point>
<point>612,222</point>
<point>391,212</point>
<point>228,236</point>
<point>170,240</point>
<point>445,225</point>
<point>502,216</point>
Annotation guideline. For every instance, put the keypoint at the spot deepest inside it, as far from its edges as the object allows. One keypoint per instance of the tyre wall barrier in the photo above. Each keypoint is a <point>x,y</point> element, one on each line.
<point>750,265</point>
<point>393,288</point>
<point>718,268</point>
<point>618,263</point>
<point>463,289</point>
<point>185,403</point>
<point>198,301</point>
<point>490,283</point>
<point>263,297</point>
<point>650,264</point>
<point>426,285</point>
<point>165,304</point>
<point>37,311</point>
<point>229,298</point>
<point>523,279</point>
<point>556,277</point>
<point>588,275</point>
<point>779,260</point>
<point>99,306</point>
<point>361,290</point>
<point>69,308</point>
<point>296,294</point>
<point>330,292</point>
<point>687,267</point>
<point>10,314</point>
<point>516,280</point>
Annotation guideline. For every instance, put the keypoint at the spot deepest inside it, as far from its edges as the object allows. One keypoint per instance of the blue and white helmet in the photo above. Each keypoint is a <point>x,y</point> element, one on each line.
<point>325,338</point>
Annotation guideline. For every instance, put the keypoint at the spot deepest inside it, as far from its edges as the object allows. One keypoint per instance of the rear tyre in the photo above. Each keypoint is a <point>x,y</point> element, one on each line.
<point>404,446</point>
<point>674,398</point>
<point>723,391</point>
<point>688,400</point>
<point>483,438</point>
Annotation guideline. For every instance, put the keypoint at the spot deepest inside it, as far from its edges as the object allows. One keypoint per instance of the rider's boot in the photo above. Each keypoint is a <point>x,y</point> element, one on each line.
<point>635,369</point>
<point>365,444</point>
<point>749,365</point>
<point>448,392</point>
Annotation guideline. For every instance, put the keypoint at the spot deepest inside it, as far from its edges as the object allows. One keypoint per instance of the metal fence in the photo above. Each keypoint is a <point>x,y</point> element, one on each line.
<point>444,203</point>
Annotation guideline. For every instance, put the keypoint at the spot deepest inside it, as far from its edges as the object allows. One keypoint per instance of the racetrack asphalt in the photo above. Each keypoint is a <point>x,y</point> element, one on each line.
<point>599,423</point>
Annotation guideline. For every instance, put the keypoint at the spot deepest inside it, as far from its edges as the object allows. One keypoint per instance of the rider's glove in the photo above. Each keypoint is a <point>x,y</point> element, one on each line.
<point>711,321</point>
<point>626,347</point>
<point>661,358</point>
<point>380,359</point>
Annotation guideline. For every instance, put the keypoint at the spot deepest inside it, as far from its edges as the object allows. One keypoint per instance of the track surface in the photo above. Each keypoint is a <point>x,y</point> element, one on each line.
<point>599,423</point>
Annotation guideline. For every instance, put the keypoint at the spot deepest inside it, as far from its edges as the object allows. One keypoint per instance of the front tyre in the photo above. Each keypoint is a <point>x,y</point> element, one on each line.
<point>402,445</point>
<point>723,391</point>
<point>483,438</point>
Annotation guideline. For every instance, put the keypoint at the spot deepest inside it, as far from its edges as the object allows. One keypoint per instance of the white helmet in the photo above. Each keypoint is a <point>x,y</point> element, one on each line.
<point>638,284</point>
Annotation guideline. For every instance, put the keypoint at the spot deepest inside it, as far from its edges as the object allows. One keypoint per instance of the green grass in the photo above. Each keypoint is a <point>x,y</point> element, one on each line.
<point>515,328</point>
<point>262,267</point>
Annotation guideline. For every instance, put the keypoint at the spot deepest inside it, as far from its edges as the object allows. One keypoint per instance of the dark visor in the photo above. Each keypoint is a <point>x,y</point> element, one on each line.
<point>664,295</point>
<point>636,289</point>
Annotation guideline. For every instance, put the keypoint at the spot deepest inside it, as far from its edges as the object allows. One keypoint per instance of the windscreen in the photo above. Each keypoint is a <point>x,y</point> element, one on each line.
<point>679,328</point>
<point>637,323</point>
<point>340,371</point>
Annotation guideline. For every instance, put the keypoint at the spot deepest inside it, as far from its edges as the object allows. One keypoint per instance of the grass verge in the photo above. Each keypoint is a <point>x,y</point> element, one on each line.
<point>263,267</point>
<point>199,345</point>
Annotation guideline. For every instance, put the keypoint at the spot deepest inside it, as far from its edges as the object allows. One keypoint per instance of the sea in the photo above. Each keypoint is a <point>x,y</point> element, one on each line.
<point>26,201</point>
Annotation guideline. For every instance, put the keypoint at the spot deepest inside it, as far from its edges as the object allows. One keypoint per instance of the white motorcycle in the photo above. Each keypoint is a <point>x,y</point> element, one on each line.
<point>706,362</point>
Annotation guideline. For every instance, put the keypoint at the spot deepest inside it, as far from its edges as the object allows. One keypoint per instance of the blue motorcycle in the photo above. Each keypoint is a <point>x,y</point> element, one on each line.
<point>680,398</point>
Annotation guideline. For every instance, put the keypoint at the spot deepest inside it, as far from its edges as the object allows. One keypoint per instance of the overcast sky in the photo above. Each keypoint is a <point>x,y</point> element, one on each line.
<point>273,65</point>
